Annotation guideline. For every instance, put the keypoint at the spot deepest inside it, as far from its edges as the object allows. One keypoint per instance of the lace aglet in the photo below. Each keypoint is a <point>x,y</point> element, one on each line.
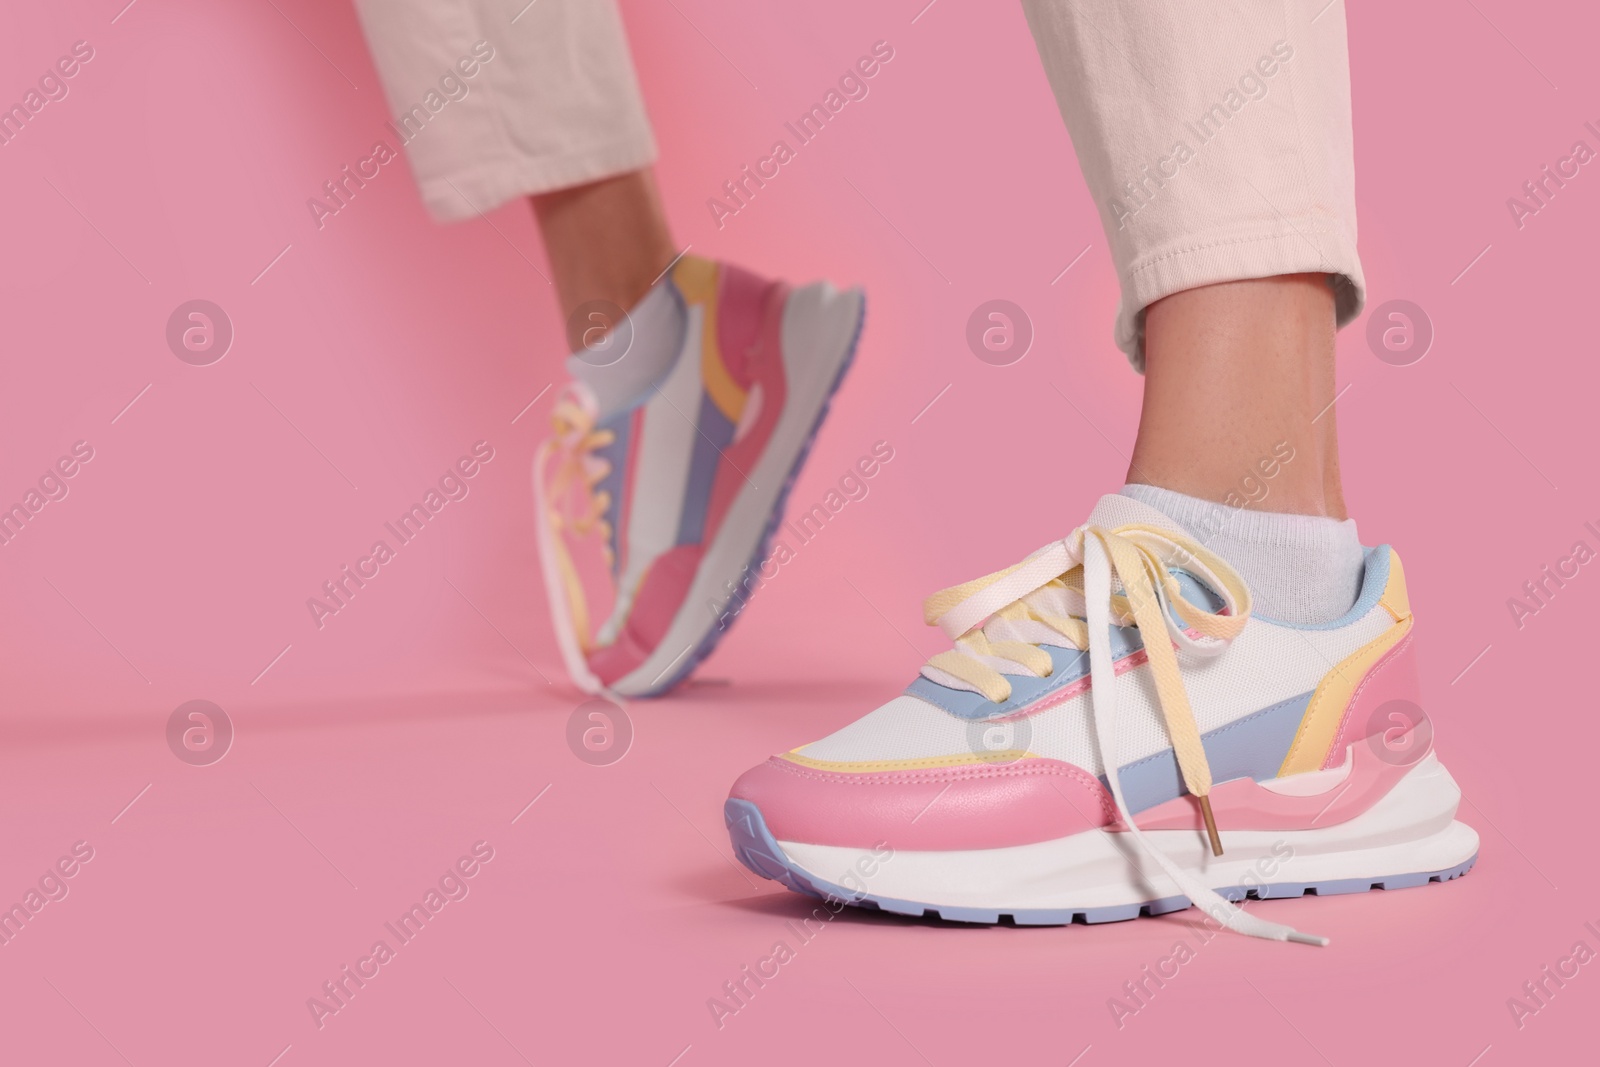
<point>1211,825</point>
<point>1307,939</point>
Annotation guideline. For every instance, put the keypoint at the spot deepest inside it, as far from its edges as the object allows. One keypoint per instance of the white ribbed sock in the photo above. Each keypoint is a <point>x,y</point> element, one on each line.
<point>1300,568</point>
<point>656,324</point>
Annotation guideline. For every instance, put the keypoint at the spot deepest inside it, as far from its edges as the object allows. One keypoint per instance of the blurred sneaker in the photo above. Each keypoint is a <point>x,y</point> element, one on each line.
<point>679,457</point>
<point>1114,735</point>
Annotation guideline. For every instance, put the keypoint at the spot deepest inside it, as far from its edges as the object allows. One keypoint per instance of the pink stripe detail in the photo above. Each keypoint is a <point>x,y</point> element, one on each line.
<point>1136,658</point>
<point>660,595</point>
<point>1243,804</point>
<point>1393,678</point>
<point>986,805</point>
<point>991,805</point>
<point>762,361</point>
<point>977,805</point>
<point>740,297</point>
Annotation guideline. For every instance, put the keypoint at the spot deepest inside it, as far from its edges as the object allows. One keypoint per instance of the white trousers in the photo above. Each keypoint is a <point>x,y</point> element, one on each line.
<point>1214,137</point>
<point>555,105</point>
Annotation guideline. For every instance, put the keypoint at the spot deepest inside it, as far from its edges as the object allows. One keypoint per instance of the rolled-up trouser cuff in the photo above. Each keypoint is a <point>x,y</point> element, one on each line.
<point>493,103</point>
<point>1309,245</point>
<point>1215,139</point>
<point>487,185</point>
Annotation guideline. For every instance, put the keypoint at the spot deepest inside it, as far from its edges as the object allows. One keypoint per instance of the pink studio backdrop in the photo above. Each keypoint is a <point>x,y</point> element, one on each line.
<point>372,752</point>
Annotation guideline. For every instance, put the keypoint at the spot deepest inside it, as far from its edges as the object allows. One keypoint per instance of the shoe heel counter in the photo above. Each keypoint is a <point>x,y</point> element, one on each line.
<point>1345,707</point>
<point>1389,693</point>
<point>1393,682</point>
<point>1395,599</point>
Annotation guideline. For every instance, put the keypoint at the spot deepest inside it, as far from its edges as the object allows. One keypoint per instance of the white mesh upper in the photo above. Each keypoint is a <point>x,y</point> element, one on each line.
<point>1265,664</point>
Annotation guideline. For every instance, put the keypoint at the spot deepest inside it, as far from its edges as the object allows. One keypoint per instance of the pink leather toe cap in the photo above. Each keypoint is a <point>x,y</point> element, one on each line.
<point>976,805</point>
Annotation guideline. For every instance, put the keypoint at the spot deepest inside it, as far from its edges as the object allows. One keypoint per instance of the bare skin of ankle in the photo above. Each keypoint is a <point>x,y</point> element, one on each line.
<point>1236,376</point>
<point>607,240</point>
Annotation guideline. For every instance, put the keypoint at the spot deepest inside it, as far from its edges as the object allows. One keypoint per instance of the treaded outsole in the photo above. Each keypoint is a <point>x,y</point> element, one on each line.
<point>708,644</point>
<point>756,848</point>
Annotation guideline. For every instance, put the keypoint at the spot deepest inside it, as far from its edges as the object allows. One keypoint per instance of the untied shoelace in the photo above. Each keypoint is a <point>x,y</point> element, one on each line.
<point>1063,596</point>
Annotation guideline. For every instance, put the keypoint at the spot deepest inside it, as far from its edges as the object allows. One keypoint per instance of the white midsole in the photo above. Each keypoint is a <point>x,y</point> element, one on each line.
<point>1412,829</point>
<point>819,327</point>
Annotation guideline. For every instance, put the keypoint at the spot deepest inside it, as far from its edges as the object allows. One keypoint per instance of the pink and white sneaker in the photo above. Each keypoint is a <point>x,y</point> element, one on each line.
<point>685,481</point>
<point>1114,734</point>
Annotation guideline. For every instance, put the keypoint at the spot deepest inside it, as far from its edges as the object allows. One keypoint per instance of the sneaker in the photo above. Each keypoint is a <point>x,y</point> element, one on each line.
<point>685,481</point>
<point>1114,734</point>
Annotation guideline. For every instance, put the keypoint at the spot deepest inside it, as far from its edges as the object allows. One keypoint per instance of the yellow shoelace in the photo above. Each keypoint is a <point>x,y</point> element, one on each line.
<point>566,473</point>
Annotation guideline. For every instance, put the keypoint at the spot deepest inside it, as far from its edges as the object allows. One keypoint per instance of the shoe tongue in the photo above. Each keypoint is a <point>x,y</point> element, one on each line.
<point>1115,510</point>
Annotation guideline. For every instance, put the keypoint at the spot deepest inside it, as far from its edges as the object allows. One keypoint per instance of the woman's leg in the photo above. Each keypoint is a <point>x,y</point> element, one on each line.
<point>1216,143</point>
<point>687,418</point>
<point>550,110</point>
<point>1215,140</point>
<point>1235,373</point>
<point>607,240</point>
<point>501,110</point>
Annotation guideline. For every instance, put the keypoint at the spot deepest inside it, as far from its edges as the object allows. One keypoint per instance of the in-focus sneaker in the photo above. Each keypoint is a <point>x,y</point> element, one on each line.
<point>684,478</point>
<point>1114,734</point>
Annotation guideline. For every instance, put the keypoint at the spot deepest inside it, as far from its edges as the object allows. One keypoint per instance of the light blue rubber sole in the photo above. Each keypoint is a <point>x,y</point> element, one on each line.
<point>756,848</point>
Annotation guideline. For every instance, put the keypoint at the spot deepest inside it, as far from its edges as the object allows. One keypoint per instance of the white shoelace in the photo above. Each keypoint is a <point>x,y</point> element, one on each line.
<point>1031,601</point>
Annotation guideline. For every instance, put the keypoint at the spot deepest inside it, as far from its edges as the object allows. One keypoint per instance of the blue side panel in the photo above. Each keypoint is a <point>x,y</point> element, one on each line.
<point>716,433</point>
<point>1251,747</point>
<point>1070,666</point>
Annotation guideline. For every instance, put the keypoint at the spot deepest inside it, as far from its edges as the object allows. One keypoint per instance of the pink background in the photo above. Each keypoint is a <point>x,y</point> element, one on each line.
<point>426,716</point>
